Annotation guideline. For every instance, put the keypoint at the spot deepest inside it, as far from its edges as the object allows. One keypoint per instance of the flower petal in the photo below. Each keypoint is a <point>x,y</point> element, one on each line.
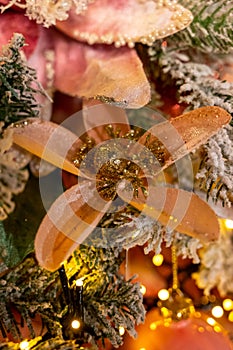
<point>104,72</point>
<point>97,116</point>
<point>43,139</point>
<point>179,210</point>
<point>68,222</point>
<point>121,21</point>
<point>179,136</point>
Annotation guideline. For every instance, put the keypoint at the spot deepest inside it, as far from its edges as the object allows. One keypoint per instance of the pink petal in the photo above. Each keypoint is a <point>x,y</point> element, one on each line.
<point>126,21</point>
<point>71,218</point>
<point>13,22</point>
<point>113,75</point>
<point>179,210</point>
<point>43,139</point>
<point>183,134</point>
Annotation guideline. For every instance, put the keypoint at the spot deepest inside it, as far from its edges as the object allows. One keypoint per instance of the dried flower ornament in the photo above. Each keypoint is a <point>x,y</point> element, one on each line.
<point>75,214</point>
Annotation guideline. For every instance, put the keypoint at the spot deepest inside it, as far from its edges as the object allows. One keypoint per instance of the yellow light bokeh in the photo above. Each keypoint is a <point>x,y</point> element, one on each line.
<point>143,289</point>
<point>75,324</point>
<point>228,224</point>
<point>163,294</point>
<point>79,282</point>
<point>157,259</point>
<point>153,326</point>
<point>230,316</point>
<point>211,321</point>
<point>217,311</point>
<point>24,345</point>
<point>227,304</point>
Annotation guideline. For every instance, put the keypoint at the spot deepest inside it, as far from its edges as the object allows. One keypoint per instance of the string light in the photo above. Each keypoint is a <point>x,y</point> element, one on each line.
<point>75,324</point>
<point>121,330</point>
<point>143,289</point>
<point>229,224</point>
<point>227,304</point>
<point>211,321</point>
<point>230,316</point>
<point>217,311</point>
<point>79,282</point>
<point>163,294</point>
<point>157,259</point>
<point>24,345</point>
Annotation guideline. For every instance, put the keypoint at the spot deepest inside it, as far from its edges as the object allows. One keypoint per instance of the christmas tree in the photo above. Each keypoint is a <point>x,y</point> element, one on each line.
<point>116,174</point>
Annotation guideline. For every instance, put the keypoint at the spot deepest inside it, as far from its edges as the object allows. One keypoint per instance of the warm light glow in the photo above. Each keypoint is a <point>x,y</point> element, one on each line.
<point>217,311</point>
<point>153,326</point>
<point>227,304</point>
<point>217,329</point>
<point>179,314</point>
<point>121,330</point>
<point>230,316</point>
<point>143,289</point>
<point>157,259</point>
<point>229,224</point>
<point>211,321</point>
<point>24,345</point>
<point>79,282</point>
<point>75,324</point>
<point>163,294</point>
<point>165,311</point>
<point>142,349</point>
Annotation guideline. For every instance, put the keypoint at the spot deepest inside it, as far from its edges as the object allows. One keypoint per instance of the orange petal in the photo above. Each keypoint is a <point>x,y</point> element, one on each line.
<point>97,116</point>
<point>178,210</point>
<point>104,72</point>
<point>48,141</point>
<point>183,134</point>
<point>126,21</point>
<point>71,218</point>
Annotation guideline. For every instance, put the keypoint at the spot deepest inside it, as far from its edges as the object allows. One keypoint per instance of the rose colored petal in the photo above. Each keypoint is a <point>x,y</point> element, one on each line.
<point>97,116</point>
<point>13,22</point>
<point>48,141</point>
<point>101,71</point>
<point>130,21</point>
<point>183,134</point>
<point>179,210</point>
<point>71,218</point>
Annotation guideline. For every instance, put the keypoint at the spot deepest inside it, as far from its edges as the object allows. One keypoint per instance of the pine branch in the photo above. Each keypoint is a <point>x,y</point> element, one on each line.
<point>211,30</point>
<point>18,84</point>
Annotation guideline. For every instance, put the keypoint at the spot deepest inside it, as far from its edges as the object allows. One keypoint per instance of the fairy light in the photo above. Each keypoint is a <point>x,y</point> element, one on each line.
<point>153,326</point>
<point>230,316</point>
<point>163,294</point>
<point>143,289</point>
<point>229,224</point>
<point>121,330</point>
<point>211,321</point>
<point>227,304</point>
<point>24,345</point>
<point>217,311</point>
<point>157,259</point>
<point>75,324</point>
<point>79,282</point>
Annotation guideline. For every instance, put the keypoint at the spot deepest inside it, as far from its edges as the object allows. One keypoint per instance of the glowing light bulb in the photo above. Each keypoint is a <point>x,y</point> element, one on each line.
<point>227,304</point>
<point>121,330</point>
<point>157,259</point>
<point>217,311</point>
<point>153,326</point>
<point>143,289</point>
<point>230,316</point>
<point>211,321</point>
<point>24,345</point>
<point>75,324</point>
<point>229,224</point>
<point>79,282</point>
<point>163,294</point>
